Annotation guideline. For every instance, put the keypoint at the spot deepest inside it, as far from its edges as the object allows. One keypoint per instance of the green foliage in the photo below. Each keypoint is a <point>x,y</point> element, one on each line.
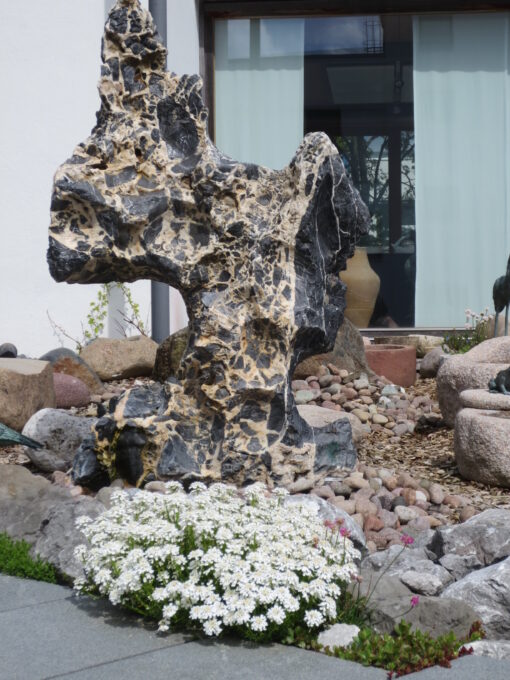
<point>404,651</point>
<point>98,311</point>
<point>15,560</point>
<point>97,315</point>
<point>478,328</point>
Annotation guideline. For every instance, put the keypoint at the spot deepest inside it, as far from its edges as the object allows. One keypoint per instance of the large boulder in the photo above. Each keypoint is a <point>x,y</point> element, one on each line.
<point>58,536</point>
<point>487,591</point>
<point>256,254</point>
<point>66,361</point>
<point>26,385</point>
<point>471,370</point>
<point>169,355</point>
<point>482,445</point>
<point>113,358</point>
<point>24,500</point>
<point>60,433</point>
<point>390,602</point>
<point>348,354</point>
<point>44,515</point>
<point>479,542</point>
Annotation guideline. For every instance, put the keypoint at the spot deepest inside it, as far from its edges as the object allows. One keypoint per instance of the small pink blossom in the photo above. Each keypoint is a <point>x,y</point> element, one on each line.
<point>345,532</point>
<point>415,601</point>
<point>406,539</point>
<point>329,524</point>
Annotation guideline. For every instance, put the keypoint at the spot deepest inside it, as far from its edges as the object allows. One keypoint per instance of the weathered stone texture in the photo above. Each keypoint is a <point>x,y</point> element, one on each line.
<point>255,253</point>
<point>26,385</point>
<point>114,358</point>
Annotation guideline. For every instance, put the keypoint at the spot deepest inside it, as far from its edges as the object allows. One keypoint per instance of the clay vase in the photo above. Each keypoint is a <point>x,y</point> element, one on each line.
<point>362,288</point>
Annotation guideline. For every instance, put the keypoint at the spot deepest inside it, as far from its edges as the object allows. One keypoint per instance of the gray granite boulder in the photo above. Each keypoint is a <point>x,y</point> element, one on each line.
<point>471,370</point>
<point>58,537</point>
<point>485,400</point>
<point>487,591</point>
<point>412,567</point>
<point>24,501</point>
<point>432,361</point>
<point>481,445</point>
<point>43,515</point>
<point>497,649</point>
<point>60,433</point>
<point>390,603</point>
<point>478,542</point>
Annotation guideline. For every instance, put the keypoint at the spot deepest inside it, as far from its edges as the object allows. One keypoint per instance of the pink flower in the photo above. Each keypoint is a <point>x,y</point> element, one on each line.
<point>345,532</point>
<point>415,601</point>
<point>406,539</point>
<point>329,524</point>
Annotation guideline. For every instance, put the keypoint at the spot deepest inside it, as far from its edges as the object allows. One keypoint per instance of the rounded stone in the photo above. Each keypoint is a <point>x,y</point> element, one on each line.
<point>379,419</point>
<point>405,514</point>
<point>362,415</point>
<point>365,507</point>
<point>436,493</point>
<point>70,391</point>
<point>482,446</point>
<point>304,396</point>
<point>8,351</point>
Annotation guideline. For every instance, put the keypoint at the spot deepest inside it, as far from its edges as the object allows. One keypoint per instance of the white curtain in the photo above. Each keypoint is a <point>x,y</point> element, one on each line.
<point>462,127</point>
<point>259,89</point>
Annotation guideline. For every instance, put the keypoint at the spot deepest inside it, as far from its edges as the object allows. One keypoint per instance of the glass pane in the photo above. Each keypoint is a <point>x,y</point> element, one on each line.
<point>359,90</point>
<point>344,35</point>
<point>366,160</point>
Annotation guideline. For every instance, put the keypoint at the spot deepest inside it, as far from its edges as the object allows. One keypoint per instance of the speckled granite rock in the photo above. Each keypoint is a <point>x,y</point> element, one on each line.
<point>255,253</point>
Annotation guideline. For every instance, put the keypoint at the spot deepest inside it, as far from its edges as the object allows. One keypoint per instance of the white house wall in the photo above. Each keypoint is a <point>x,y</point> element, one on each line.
<point>49,53</point>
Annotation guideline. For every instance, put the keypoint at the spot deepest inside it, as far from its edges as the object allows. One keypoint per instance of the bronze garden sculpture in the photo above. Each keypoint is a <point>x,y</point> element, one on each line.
<point>501,297</point>
<point>255,253</point>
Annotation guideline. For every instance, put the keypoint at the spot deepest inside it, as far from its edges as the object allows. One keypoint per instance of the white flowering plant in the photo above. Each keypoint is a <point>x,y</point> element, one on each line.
<point>217,560</point>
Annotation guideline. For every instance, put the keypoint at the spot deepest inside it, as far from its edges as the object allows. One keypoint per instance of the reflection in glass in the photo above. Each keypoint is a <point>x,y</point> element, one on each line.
<point>344,35</point>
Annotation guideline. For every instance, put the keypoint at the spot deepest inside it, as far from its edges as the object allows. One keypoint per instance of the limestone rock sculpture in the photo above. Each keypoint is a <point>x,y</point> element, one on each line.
<point>255,253</point>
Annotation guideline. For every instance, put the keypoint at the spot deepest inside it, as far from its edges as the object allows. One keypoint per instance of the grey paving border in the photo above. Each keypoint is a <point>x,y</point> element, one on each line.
<point>46,632</point>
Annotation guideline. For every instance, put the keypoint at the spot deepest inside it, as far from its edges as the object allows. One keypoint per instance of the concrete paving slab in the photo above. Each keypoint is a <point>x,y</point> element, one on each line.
<point>46,633</point>
<point>16,593</point>
<point>479,667</point>
<point>229,661</point>
<point>61,636</point>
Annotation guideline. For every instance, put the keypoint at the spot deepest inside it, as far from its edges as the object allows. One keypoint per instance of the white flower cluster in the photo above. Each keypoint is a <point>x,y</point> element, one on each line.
<point>216,558</point>
<point>473,318</point>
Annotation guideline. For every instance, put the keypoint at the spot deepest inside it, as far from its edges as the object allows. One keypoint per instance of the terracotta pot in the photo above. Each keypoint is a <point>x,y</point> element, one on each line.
<point>395,362</point>
<point>362,288</point>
